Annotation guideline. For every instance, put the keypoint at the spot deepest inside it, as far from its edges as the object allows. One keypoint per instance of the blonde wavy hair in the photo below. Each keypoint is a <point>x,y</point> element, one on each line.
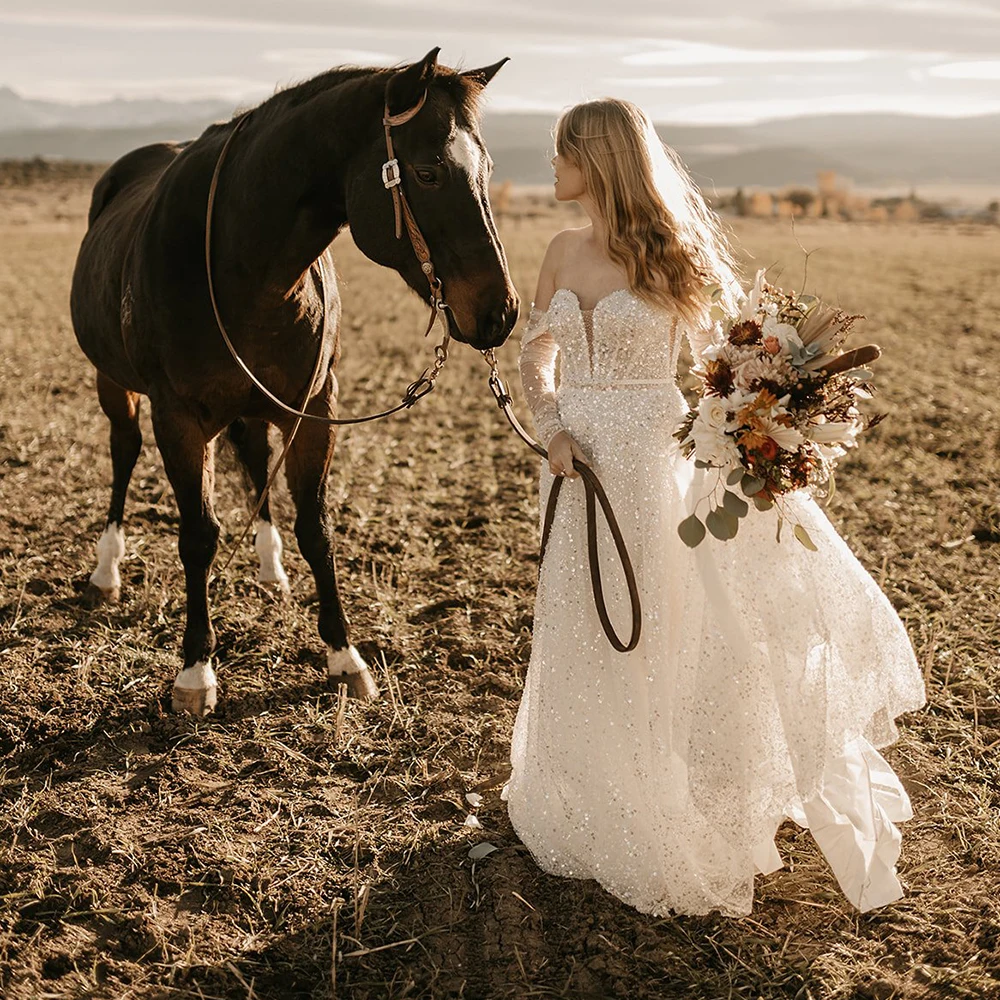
<point>660,231</point>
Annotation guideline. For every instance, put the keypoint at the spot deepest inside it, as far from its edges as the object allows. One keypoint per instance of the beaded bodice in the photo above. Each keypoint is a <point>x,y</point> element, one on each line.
<point>621,340</point>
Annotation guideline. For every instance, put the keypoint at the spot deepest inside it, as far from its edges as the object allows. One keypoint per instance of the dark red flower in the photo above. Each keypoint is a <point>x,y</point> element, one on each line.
<point>719,377</point>
<point>742,334</point>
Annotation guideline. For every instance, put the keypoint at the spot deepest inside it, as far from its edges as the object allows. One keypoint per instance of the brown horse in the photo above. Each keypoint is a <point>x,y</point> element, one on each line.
<point>304,164</point>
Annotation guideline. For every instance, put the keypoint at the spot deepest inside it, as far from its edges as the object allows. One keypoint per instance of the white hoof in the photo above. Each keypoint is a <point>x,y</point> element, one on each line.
<point>347,667</point>
<point>106,581</point>
<point>196,689</point>
<point>267,543</point>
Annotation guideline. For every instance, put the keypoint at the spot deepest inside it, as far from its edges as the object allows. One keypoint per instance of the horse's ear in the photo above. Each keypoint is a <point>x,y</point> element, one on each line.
<point>407,86</point>
<point>484,75</point>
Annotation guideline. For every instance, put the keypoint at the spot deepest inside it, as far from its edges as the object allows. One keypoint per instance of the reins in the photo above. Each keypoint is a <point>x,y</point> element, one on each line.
<point>595,495</point>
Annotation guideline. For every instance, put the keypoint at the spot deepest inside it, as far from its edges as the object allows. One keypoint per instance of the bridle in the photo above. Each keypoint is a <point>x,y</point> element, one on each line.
<point>392,181</point>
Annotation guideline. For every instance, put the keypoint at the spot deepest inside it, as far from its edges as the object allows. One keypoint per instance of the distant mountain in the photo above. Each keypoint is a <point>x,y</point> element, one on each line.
<point>24,114</point>
<point>867,148</point>
<point>101,145</point>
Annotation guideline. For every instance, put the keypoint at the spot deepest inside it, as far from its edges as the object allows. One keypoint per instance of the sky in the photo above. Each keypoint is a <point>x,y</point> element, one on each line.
<point>691,61</point>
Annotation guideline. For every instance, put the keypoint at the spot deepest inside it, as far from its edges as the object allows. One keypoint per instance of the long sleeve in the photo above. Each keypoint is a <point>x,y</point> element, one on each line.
<point>537,364</point>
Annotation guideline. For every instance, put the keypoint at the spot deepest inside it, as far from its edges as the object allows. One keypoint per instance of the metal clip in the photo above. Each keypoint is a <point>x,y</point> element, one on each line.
<point>390,174</point>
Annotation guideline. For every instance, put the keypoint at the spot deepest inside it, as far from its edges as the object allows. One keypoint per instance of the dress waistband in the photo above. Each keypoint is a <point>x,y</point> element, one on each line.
<point>626,383</point>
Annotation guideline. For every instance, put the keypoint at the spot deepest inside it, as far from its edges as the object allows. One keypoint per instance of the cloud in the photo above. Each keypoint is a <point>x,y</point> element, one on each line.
<point>695,54</point>
<point>985,70</point>
<point>324,58</point>
<point>665,81</point>
<point>751,111</point>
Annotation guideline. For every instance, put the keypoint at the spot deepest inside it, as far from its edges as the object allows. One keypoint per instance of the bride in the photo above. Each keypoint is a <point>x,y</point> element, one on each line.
<point>766,675</point>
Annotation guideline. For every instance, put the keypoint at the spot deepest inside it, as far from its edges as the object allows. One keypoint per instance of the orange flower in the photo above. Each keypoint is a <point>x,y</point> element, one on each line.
<point>768,448</point>
<point>753,440</point>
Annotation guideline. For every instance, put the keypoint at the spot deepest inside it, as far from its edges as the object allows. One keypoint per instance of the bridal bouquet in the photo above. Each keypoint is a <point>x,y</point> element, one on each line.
<point>778,405</point>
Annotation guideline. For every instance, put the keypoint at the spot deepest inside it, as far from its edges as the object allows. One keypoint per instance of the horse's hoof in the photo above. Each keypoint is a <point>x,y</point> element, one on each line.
<point>196,690</point>
<point>346,666</point>
<point>278,589</point>
<point>94,596</point>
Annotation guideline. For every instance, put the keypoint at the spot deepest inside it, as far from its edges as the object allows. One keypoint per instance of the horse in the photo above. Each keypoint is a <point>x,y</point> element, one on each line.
<point>164,312</point>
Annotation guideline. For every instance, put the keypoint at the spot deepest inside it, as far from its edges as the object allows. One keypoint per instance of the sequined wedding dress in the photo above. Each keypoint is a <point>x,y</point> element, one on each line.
<point>765,678</point>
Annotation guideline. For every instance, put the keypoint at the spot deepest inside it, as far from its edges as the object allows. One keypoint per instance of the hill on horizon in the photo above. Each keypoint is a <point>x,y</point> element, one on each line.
<point>873,149</point>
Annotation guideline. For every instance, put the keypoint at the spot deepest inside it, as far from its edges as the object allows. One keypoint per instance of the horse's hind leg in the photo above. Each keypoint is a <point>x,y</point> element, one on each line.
<point>122,410</point>
<point>189,459</point>
<point>249,438</point>
<point>306,468</point>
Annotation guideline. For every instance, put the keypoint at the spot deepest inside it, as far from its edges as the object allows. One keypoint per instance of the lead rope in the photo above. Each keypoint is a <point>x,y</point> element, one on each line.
<point>595,494</point>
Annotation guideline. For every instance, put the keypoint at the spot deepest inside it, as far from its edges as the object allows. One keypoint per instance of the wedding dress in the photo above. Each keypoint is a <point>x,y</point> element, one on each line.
<point>765,678</point>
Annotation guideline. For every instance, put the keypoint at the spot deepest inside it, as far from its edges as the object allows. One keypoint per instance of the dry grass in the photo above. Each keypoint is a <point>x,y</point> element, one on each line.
<point>298,846</point>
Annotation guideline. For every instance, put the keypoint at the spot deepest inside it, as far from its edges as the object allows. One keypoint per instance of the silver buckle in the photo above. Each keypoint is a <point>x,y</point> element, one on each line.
<point>390,174</point>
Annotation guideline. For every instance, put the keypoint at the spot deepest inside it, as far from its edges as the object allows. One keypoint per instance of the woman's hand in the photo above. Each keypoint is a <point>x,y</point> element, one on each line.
<point>562,450</point>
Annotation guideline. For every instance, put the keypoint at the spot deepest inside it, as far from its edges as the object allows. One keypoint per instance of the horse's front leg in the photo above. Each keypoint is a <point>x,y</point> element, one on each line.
<point>307,465</point>
<point>189,460</point>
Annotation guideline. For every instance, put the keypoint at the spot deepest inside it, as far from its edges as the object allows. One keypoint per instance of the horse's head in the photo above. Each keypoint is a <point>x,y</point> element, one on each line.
<point>444,173</point>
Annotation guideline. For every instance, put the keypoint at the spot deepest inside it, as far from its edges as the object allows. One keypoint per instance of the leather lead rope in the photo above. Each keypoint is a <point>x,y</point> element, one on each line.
<point>595,494</point>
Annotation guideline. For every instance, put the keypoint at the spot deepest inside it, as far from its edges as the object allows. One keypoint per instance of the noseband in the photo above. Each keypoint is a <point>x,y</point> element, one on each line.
<point>392,180</point>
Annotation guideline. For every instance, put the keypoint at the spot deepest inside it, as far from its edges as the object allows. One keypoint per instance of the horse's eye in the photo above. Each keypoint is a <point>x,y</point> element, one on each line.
<point>425,175</point>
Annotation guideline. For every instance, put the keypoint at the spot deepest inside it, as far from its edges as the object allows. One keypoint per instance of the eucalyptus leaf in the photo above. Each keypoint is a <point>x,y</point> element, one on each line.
<point>761,502</point>
<point>734,477</point>
<point>480,851</point>
<point>733,523</point>
<point>803,536</point>
<point>735,505</point>
<point>691,530</point>
<point>831,490</point>
<point>752,485</point>
<point>716,523</point>
<point>722,524</point>
<point>699,464</point>
<point>777,534</point>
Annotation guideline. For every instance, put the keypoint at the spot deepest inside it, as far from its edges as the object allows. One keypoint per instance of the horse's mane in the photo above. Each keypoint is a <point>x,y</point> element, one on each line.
<point>462,91</point>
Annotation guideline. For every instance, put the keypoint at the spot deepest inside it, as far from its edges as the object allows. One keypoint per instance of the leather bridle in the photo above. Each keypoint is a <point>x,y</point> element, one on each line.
<point>392,181</point>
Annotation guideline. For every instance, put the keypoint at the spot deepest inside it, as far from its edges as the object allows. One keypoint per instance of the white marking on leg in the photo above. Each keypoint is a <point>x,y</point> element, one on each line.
<point>110,550</point>
<point>267,543</point>
<point>197,677</point>
<point>344,661</point>
<point>196,689</point>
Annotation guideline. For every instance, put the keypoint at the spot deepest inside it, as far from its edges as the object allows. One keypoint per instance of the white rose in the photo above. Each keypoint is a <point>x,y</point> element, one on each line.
<point>713,412</point>
<point>785,333</point>
<point>713,445</point>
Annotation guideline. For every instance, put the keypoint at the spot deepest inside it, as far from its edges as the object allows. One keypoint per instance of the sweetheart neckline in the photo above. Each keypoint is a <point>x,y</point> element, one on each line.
<point>598,303</point>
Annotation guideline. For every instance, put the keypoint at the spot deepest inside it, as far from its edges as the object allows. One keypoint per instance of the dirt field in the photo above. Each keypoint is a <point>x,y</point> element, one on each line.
<point>293,846</point>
